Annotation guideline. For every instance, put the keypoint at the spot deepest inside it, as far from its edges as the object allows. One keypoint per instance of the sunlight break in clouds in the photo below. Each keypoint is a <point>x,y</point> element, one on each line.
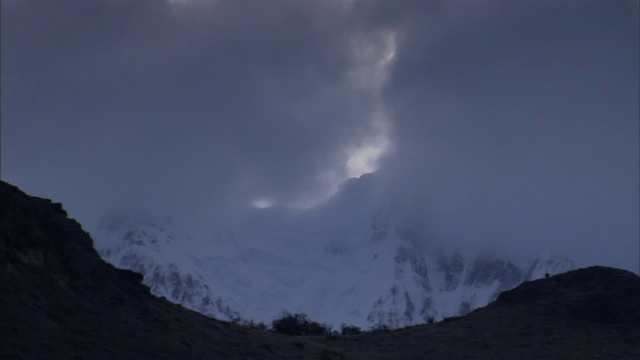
<point>363,159</point>
<point>373,54</point>
<point>262,203</point>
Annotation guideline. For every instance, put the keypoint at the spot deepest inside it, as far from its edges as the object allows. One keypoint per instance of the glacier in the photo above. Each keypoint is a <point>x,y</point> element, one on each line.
<point>351,260</point>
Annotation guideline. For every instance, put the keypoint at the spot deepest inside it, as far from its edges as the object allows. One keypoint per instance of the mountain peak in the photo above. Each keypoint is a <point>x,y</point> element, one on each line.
<point>367,269</point>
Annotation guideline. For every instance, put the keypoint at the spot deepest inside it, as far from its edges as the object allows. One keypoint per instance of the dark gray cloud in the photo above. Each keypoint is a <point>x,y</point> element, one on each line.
<point>517,121</point>
<point>211,101</point>
<point>523,124</point>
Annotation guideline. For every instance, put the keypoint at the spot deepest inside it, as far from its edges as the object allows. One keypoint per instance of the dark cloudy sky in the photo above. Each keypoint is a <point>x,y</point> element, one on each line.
<point>515,120</point>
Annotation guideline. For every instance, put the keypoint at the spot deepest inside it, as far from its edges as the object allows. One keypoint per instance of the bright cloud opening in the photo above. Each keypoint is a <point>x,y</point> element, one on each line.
<point>373,55</point>
<point>364,159</point>
<point>262,203</point>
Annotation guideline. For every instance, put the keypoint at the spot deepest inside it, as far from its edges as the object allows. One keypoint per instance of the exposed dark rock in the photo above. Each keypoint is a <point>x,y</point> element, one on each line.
<point>485,271</point>
<point>59,300</point>
<point>452,267</point>
<point>597,293</point>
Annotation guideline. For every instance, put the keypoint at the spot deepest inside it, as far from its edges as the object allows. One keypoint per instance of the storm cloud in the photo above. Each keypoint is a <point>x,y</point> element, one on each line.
<point>515,122</point>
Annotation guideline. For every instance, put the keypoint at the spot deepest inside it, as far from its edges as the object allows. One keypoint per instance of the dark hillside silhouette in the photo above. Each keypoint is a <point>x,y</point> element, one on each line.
<point>59,300</point>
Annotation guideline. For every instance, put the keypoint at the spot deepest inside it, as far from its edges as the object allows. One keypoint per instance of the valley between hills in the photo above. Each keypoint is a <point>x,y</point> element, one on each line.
<point>60,300</point>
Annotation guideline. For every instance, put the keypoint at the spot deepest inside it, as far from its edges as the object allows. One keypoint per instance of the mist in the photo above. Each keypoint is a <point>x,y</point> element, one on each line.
<point>508,124</point>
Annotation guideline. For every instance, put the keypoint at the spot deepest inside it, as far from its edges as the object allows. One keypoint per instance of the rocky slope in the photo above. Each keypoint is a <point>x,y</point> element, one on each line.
<point>59,300</point>
<point>591,313</point>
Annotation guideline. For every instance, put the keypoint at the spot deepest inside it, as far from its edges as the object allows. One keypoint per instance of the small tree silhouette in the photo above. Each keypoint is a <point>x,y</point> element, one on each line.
<point>346,329</point>
<point>299,324</point>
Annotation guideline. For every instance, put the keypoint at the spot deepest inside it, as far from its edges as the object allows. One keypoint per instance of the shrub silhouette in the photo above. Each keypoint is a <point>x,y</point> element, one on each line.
<point>346,329</point>
<point>254,325</point>
<point>299,324</point>
<point>380,328</point>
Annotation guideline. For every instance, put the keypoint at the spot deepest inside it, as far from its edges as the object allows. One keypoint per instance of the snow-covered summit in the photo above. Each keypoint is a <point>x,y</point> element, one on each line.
<point>354,259</point>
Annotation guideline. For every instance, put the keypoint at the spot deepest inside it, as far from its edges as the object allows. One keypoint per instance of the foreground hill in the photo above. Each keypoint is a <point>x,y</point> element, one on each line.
<point>58,299</point>
<point>591,313</point>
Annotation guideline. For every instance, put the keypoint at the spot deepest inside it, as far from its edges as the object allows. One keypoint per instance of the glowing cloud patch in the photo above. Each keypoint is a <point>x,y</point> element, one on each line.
<point>363,159</point>
<point>262,203</point>
<point>372,55</point>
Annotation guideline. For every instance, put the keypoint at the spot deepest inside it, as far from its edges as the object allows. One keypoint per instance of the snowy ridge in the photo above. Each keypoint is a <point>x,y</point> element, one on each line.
<point>136,243</point>
<point>348,261</point>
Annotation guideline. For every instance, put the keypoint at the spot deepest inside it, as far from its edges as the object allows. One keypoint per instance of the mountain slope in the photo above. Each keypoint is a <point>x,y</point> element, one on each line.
<point>58,299</point>
<point>591,313</point>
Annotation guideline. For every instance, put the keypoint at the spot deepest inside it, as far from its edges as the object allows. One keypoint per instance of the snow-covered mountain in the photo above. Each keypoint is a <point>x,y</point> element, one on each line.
<point>352,260</point>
